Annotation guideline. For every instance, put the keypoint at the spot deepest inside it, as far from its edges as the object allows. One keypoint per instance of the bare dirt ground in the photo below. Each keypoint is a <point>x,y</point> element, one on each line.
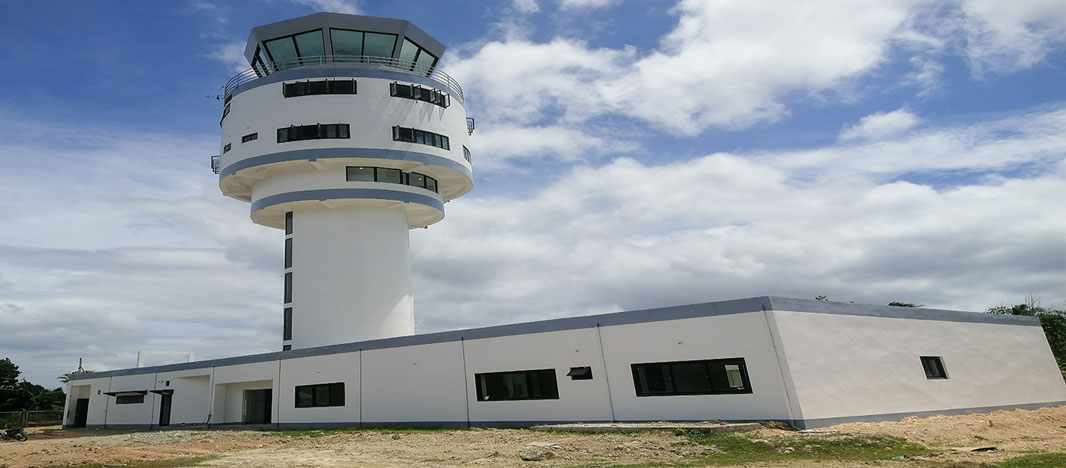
<point>1012,433</point>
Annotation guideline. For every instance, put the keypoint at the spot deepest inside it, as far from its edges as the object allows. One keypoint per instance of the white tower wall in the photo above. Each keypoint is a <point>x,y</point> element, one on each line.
<point>351,274</point>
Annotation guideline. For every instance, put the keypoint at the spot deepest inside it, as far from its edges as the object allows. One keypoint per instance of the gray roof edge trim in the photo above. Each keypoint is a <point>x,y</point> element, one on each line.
<point>340,153</point>
<point>339,70</point>
<point>788,304</point>
<point>345,193</point>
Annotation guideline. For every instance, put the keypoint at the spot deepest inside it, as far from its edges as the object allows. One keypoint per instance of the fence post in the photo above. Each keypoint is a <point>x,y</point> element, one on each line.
<point>24,418</point>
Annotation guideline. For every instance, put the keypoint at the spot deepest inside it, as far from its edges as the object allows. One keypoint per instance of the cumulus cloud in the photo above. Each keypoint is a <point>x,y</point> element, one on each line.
<point>231,54</point>
<point>1010,36</point>
<point>627,234</point>
<point>526,6</point>
<point>585,4</point>
<point>880,125</point>
<point>333,6</point>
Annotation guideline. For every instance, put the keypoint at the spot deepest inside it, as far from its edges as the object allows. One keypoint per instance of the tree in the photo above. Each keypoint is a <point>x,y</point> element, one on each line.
<point>1053,322</point>
<point>65,378</point>
<point>16,395</point>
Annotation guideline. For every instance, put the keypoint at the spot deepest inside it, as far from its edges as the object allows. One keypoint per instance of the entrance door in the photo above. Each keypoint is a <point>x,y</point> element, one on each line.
<point>81,412</point>
<point>257,406</point>
<point>164,409</point>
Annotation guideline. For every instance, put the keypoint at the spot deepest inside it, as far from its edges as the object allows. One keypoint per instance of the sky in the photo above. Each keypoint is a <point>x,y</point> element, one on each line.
<point>628,154</point>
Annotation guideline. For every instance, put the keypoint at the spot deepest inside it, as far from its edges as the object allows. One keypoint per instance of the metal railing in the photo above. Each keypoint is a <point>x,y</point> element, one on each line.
<point>359,61</point>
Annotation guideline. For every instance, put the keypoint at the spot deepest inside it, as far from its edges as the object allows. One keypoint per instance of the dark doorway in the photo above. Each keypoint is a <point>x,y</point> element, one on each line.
<point>257,406</point>
<point>164,409</point>
<point>81,412</point>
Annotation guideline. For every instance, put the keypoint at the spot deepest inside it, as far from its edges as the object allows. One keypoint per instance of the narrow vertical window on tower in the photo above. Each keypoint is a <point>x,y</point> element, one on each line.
<point>286,332</point>
<point>288,288</point>
<point>288,253</point>
<point>288,223</point>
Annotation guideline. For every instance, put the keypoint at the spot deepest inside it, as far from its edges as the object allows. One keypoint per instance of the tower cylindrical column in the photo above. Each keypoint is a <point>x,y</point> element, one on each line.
<point>350,270</point>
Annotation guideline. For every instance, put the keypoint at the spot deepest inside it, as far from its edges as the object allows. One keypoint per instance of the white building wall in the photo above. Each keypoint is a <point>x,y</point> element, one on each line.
<point>230,383</point>
<point>132,414</point>
<point>76,392</point>
<point>847,365</point>
<point>727,336</point>
<point>579,400</point>
<point>421,383</point>
<point>191,401</point>
<point>320,370</point>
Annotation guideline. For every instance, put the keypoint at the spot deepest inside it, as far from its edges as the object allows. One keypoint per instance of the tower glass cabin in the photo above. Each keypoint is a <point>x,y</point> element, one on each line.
<point>344,134</point>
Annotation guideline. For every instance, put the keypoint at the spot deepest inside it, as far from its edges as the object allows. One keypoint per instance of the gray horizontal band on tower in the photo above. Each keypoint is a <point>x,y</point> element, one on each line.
<point>336,194</point>
<point>340,71</point>
<point>335,153</point>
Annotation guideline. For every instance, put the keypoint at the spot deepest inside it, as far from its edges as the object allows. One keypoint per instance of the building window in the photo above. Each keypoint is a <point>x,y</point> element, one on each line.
<point>311,396</point>
<point>390,176</point>
<point>430,95</point>
<point>129,399</point>
<point>359,46</point>
<point>580,373</point>
<point>709,377</point>
<point>422,137</point>
<point>416,58</point>
<point>225,112</point>
<point>288,288</point>
<point>517,385</point>
<point>310,88</point>
<point>288,253</point>
<point>288,223</point>
<point>934,367</point>
<point>287,347</point>
<point>286,333</point>
<point>466,153</point>
<point>250,137</point>
<point>225,149</point>
<point>312,132</point>
<point>298,49</point>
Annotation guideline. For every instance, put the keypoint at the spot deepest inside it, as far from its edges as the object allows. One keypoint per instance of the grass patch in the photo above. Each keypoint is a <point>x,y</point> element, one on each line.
<point>727,448</point>
<point>164,463</point>
<point>1043,460</point>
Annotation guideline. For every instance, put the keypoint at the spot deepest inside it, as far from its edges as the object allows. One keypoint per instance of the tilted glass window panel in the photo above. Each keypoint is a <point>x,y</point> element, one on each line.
<point>331,131</point>
<point>445,142</point>
<point>360,174</point>
<point>263,59</point>
<point>317,87</point>
<point>343,131</point>
<point>288,223</point>
<point>342,87</point>
<point>288,288</point>
<point>416,180</point>
<point>286,331</point>
<point>249,137</point>
<point>288,253</point>
<point>284,52</point>
<point>379,45</point>
<point>305,396</point>
<point>431,184</point>
<point>408,51</point>
<point>425,61</point>
<point>390,176</point>
<point>346,42</point>
<point>733,376</point>
<point>310,44</point>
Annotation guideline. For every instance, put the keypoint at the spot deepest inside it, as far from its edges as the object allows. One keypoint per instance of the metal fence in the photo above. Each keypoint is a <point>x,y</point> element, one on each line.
<point>31,418</point>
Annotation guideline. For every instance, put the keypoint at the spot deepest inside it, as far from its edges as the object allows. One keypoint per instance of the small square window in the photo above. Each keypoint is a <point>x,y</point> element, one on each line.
<point>225,149</point>
<point>249,137</point>
<point>580,373</point>
<point>934,367</point>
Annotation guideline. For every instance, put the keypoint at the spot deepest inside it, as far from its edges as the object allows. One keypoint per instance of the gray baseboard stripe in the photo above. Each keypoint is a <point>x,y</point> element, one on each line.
<point>824,422</point>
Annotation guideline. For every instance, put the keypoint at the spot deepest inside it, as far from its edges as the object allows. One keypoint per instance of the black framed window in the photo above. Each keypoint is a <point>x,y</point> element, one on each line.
<point>706,377</point>
<point>225,112</point>
<point>422,137</point>
<point>286,332</point>
<point>288,288</point>
<point>580,373</point>
<point>390,176</point>
<point>311,396</point>
<point>295,50</point>
<point>287,347</point>
<point>250,137</point>
<point>225,149</point>
<point>517,385</point>
<point>129,399</point>
<point>430,95</point>
<point>310,88</point>
<point>313,132</point>
<point>288,253</point>
<point>466,153</point>
<point>934,367</point>
<point>288,222</point>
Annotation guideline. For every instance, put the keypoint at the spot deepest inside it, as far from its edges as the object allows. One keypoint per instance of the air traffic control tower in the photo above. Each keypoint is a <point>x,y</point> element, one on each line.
<point>344,134</point>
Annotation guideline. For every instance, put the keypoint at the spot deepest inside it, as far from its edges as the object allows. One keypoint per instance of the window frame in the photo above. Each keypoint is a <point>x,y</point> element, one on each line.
<point>250,137</point>
<point>340,131</point>
<point>421,137</point>
<point>334,395</point>
<point>136,399</point>
<point>286,325</point>
<point>939,371</point>
<point>541,376</point>
<point>669,379</point>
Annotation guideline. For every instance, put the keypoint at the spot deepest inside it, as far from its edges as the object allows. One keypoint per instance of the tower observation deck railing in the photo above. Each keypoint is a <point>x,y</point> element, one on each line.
<point>346,61</point>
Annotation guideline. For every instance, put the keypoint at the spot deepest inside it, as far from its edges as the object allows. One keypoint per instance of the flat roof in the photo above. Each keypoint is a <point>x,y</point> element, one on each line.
<point>709,309</point>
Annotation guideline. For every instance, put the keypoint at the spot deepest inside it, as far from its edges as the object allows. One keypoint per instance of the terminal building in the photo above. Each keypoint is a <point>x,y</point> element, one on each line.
<point>345,135</point>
